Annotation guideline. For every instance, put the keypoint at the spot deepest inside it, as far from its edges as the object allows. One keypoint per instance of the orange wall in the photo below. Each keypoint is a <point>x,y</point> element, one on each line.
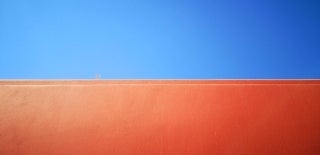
<point>159,117</point>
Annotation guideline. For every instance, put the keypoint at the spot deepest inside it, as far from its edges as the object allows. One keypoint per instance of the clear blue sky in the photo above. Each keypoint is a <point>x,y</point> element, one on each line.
<point>151,39</point>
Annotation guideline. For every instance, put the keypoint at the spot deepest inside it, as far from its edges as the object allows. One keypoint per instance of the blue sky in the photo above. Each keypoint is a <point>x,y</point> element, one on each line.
<point>146,39</point>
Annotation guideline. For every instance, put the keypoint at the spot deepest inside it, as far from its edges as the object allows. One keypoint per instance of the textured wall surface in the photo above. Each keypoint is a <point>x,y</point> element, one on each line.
<point>159,117</point>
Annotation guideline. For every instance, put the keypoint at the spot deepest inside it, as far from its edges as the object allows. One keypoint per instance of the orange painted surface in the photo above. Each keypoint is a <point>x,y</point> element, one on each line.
<point>159,117</point>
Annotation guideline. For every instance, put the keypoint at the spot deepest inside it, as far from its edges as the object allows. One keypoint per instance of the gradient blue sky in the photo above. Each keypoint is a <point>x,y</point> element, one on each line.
<point>145,39</point>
